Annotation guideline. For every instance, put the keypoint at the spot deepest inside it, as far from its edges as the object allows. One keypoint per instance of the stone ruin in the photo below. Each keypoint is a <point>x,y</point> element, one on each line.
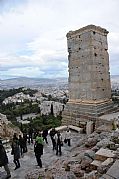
<point>89,76</point>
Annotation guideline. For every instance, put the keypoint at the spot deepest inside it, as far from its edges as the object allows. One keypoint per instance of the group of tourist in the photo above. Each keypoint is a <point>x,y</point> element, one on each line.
<point>19,146</point>
<point>57,142</point>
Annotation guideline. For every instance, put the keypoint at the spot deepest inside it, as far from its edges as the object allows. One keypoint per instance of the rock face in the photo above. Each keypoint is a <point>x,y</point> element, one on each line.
<point>7,129</point>
<point>89,79</point>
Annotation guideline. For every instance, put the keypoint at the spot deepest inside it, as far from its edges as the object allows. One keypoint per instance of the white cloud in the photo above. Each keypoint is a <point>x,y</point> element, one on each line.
<point>114,42</point>
<point>33,33</point>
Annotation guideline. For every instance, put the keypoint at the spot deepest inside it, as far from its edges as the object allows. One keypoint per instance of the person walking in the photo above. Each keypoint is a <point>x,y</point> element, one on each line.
<point>38,149</point>
<point>25,142</point>
<point>44,135</point>
<point>4,160</point>
<point>68,136</point>
<point>52,136</point>
<point>30,134</point>
<point>16,151</point>
<point>59,143</point>
<point>21,143</point>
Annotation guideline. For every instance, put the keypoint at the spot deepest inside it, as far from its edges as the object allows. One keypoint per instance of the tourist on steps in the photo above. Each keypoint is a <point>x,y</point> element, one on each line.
<point>44,135</point>
<point>52,136</point>
<point>30,134</point>
<point>59,143</point>
<point>68,136</point>
<point>38,149</point>
<point>25,142</point>
<point>4,160</point>
<point>22,144</point>
<point>16,151</point>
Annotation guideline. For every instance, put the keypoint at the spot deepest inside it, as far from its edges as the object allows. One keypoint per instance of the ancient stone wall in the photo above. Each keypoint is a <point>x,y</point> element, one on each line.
<point>89,76</point>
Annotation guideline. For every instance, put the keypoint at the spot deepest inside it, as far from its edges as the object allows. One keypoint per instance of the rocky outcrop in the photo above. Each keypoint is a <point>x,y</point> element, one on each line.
<point>7,129</point>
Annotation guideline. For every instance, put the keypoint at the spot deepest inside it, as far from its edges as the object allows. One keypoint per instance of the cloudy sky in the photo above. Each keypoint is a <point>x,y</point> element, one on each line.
<point>33,34</point>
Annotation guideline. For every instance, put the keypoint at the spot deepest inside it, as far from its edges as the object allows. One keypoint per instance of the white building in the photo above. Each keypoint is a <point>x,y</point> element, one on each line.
<point>45,107</point>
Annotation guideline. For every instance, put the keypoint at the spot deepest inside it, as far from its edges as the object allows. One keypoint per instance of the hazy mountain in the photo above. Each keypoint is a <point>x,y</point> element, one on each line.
<point>43,82</point>
<point>31,82</point>
<point>115,81</point>
<point>115,78</point>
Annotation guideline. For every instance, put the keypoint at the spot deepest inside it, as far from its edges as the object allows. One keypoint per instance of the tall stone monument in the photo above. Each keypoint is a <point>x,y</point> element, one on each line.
<point>89,76</point>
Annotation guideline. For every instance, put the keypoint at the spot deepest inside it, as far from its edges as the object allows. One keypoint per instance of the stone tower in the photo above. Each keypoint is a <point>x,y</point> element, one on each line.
<point>89,77</point>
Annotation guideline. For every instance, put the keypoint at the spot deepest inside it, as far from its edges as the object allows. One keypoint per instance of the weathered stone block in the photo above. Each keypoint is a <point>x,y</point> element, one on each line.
<point>114,170</point>
<point>103,154</point>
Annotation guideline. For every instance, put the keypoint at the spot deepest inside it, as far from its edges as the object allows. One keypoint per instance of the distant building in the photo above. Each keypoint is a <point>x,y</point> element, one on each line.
<point>48,107</point>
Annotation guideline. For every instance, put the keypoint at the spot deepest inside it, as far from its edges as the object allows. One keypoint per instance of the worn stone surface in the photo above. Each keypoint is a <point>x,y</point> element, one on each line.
<point>103,154</point>
<point>106,177</point>
<point>91,142</point>
<point>96,163</point>
<point>107,162</point>
<point>52,165</point>
<point>91,175</point>
<point>114,170</point>
<point>75,162</point>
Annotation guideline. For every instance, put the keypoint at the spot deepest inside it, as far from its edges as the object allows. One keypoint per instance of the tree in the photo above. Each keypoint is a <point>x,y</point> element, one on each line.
<point>52,113</point>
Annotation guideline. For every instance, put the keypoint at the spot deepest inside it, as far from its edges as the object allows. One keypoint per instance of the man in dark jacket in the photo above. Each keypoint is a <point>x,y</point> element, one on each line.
<point>52,136</point>
<point>21,143</point>
<point>25,142</point>
<point>4,160</point>
<point>16,151</point>
<point>44,135</point>
<point>30,134</point>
